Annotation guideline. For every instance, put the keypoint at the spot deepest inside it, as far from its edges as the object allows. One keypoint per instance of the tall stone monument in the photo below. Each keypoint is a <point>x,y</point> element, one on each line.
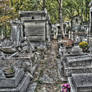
<point>36,25</point>
<point>17,31</point>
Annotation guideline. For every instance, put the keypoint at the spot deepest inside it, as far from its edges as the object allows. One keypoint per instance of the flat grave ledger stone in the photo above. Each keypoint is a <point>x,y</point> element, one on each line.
<point>18,83</point>
<point>77,64</point>
<point>81,82</point>
<point>12,82</point>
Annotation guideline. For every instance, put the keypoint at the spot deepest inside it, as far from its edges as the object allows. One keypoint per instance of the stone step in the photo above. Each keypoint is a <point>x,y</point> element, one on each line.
<point>32,87</point>
<point>22,87</point>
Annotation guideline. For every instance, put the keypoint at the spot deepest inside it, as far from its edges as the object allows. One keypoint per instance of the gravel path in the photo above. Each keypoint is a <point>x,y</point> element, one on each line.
<point>47,74</point>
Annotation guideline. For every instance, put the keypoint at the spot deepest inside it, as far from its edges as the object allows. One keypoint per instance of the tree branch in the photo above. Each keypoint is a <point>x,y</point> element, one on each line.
<point>58,1</point>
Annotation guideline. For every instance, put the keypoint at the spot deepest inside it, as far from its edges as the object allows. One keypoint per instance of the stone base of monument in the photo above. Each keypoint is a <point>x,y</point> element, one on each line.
<point>81,82</point>
<point>19,83</point>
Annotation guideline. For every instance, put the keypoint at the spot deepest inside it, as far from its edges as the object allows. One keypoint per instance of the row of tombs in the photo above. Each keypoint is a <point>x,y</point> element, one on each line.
<point>77,70</point>
<point>20,56</point>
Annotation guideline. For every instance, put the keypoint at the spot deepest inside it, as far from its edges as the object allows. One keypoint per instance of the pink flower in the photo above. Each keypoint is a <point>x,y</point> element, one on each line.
<point>65,87</point>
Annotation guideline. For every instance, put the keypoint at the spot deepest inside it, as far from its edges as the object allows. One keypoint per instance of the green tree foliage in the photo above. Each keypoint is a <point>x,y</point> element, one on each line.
<point>70,8</point>
<point>76,7</point>
<point>9,9</point>
<point>52,8</point>
<point>5,17</point>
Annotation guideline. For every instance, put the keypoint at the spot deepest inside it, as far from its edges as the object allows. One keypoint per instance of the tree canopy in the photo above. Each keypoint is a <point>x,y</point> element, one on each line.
<point>9,9</point>
<point>70,8</point>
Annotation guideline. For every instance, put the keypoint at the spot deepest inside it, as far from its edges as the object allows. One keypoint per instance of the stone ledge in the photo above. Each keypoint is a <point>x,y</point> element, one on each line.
<point>69,71</point>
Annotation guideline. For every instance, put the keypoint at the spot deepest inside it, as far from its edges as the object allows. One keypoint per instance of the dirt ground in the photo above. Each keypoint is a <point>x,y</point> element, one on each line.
<point>46,75</point>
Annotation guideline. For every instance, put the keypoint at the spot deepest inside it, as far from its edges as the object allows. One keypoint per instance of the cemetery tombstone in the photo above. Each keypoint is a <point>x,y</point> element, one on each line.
<point>76,62</point>
<point>18,83</point>
<point>16,32</point>
<point>36,25</point>
<point>81,82</point>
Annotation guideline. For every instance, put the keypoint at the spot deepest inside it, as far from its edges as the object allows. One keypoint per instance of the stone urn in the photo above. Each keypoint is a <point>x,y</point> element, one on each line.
<point>9,72</point>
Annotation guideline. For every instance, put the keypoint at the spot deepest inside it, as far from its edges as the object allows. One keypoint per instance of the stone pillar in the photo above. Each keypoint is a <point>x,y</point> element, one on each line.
<point>17,32</point>
<point>69,34</point>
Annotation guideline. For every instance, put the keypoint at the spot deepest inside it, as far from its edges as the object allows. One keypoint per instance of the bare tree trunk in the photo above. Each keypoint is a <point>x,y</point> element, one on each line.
<point>61,18</point>
<point>44,6</point>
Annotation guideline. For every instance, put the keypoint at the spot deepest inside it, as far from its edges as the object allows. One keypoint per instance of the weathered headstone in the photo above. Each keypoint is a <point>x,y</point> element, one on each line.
<point>36,25</point>
<point>16,32</point>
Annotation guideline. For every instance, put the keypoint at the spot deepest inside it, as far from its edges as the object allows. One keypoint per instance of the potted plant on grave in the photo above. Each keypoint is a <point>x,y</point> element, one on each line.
<point>9,72</point>
<point>84,46</point>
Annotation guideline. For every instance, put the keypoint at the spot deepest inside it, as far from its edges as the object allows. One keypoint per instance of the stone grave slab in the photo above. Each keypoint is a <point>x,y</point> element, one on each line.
<point>22,87</point>
<point>77,64</point>
<point>11,82</point>
<point>81,82</point>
